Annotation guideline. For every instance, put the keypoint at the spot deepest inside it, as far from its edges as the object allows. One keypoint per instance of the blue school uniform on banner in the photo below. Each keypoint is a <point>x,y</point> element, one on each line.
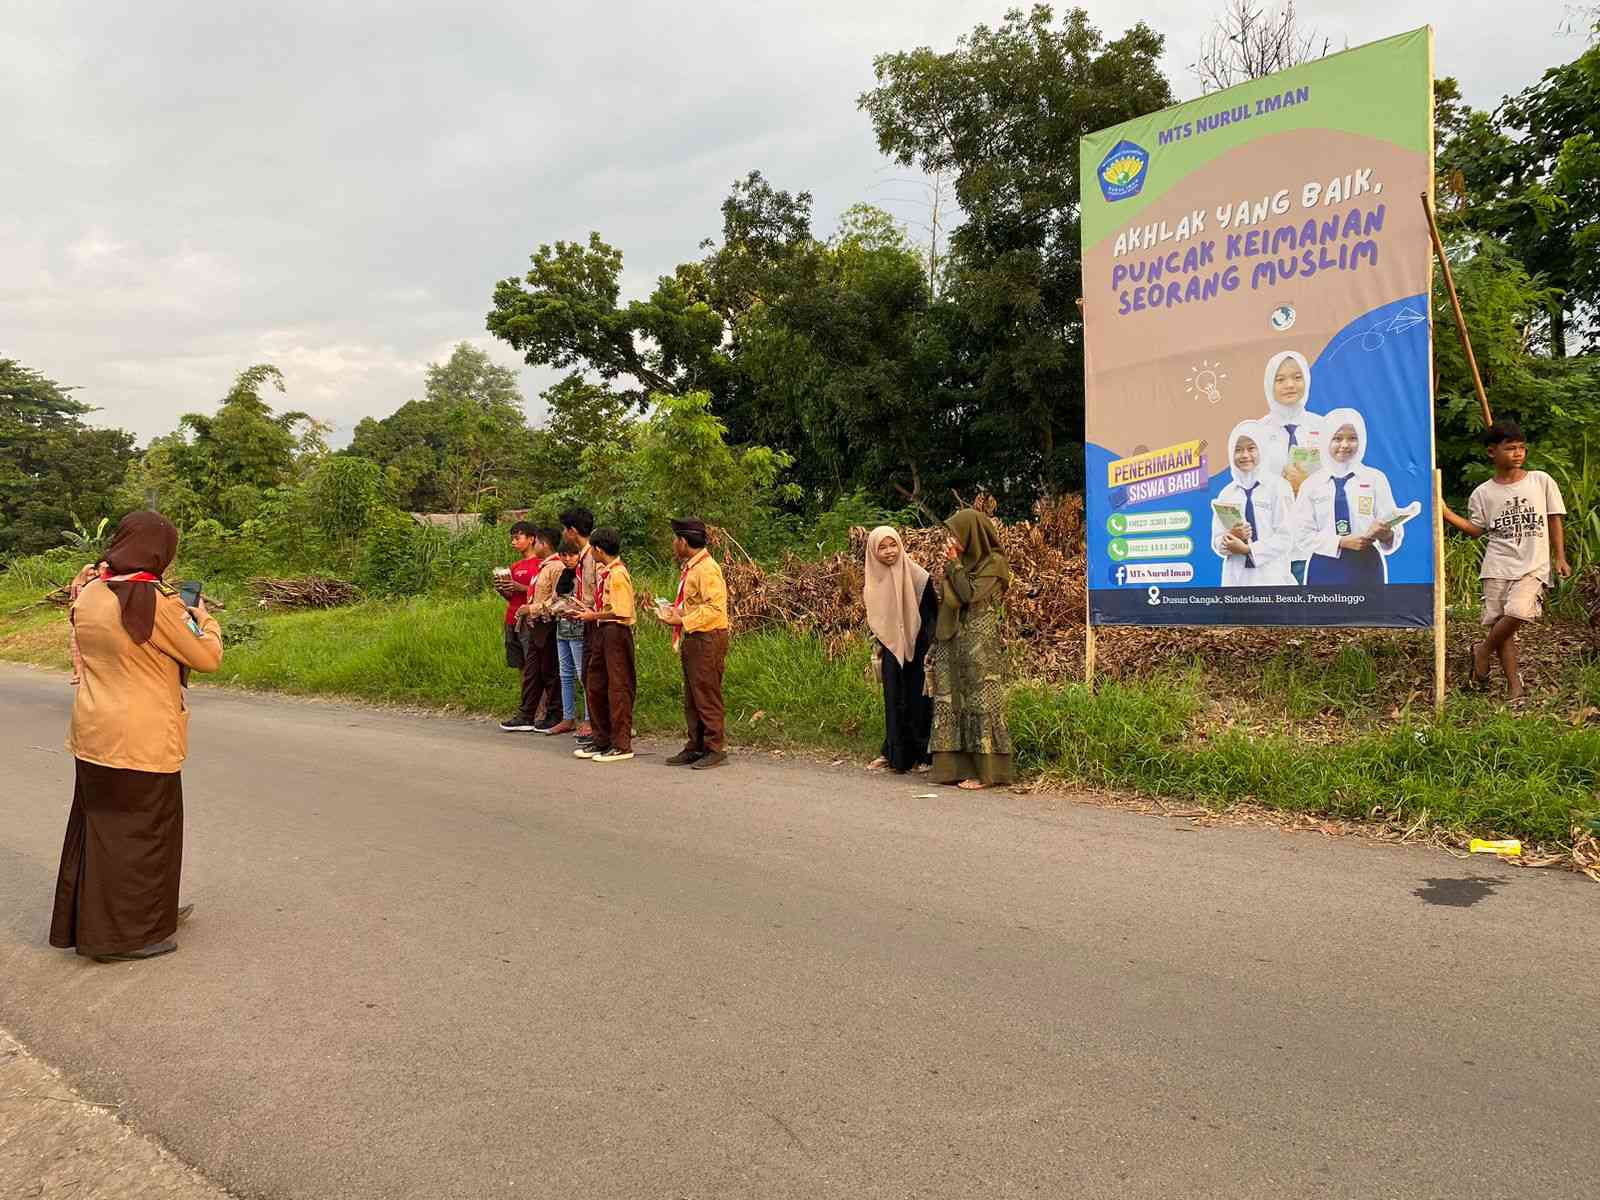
<point>1345,499</point>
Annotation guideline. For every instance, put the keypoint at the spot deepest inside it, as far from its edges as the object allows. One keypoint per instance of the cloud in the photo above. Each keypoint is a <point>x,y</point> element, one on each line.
<point>335,188</point>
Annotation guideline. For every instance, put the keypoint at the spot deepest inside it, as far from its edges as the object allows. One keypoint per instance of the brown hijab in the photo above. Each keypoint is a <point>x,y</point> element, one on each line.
<point>984,562</point>
<point>148,542</point>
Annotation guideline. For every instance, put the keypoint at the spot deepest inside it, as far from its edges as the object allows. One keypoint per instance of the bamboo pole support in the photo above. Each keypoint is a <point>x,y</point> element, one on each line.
<point>1438,595</point>
<point>1455,307</point>
<point>1088,638</point>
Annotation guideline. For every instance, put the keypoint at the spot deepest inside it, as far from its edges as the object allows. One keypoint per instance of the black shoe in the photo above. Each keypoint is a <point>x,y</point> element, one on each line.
<point>154,950</point>
<point>684,758</point>
<point>520,723</point>
<point>712,758</point>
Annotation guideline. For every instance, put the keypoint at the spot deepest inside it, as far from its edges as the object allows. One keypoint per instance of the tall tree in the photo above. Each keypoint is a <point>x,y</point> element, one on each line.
<point>54,470</point>
<point>244,447</point>
<point>1528,174</point>
<point>567,312</point>
<point>1001,115</point>
<point>465,443</point>
<point>1250,40</point>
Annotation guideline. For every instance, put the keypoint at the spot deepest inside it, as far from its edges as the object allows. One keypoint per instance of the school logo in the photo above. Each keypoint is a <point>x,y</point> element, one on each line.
<point>1122,171</point>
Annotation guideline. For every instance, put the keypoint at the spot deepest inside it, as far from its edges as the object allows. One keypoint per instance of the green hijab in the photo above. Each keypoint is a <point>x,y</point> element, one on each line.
<point>984,562</point>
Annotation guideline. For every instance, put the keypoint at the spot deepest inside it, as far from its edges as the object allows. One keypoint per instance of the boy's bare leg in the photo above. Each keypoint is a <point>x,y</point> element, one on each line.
<point>1502,641</point>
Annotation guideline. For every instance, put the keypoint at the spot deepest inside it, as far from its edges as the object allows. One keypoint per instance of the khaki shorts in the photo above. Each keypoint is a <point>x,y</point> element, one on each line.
<point>1520,598</point>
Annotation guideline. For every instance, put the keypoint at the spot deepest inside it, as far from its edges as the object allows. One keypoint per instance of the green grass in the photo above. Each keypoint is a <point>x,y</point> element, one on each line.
<point>1296,734</point>
<point>781,690</point>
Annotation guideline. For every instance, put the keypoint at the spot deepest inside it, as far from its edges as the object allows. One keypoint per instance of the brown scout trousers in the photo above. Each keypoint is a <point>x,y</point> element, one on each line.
<point>704,656</point>
<point>609,684</point>
<point>541,671</point>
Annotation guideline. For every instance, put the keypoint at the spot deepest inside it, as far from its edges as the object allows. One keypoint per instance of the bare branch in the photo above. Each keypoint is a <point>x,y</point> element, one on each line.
<point>1250,40</point>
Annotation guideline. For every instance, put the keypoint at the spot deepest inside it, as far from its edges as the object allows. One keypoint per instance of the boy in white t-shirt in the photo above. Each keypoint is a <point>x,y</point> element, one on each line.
<point>1520,512</point>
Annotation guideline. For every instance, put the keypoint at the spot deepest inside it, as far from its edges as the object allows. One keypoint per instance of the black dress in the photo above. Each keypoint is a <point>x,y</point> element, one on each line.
<point>907,713</point>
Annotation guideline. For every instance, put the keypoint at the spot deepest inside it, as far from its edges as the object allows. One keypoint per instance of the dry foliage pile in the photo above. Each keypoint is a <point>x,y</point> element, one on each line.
<point>1045,614</point>
<point>309,591</point>
<point>1044,606</point>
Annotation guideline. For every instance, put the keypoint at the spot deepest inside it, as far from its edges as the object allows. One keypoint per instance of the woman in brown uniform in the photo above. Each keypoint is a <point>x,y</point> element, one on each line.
<point>117,890</point>
<point>971,745</point>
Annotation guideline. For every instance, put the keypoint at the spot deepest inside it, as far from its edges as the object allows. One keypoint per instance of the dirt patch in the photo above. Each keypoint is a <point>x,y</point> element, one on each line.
<point>56,1144</point>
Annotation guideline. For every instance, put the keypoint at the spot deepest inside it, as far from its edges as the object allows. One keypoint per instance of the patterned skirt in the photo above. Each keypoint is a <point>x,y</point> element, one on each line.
<point>970,739</point>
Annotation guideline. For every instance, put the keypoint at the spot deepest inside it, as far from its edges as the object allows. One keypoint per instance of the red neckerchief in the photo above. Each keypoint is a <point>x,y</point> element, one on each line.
<point>683,584</point>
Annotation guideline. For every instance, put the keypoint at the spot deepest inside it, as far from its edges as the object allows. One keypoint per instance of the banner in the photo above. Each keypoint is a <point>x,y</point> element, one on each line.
<point>1259,413</point>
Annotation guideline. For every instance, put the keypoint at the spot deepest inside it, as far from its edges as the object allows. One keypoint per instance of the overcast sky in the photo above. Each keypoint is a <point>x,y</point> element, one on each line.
<point>188,189</point>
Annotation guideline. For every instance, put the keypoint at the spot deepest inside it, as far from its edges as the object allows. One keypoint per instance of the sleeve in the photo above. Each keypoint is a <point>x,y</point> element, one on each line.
<point>178,636</point>
<point>1274,548</point>
<point>956,580</point>
<point>705,600</point>
<point>619,595</point>
<point>1386,504</point>
<point>1478,508</point>
<point>1308,532</point>
<point>928,611</point>
<point>1554,505</point>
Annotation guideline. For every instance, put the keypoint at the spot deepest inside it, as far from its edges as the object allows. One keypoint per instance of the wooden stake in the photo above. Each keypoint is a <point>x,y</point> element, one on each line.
<point>1438,594</point>
<point>1455,306</point>
<point>1088,638</point>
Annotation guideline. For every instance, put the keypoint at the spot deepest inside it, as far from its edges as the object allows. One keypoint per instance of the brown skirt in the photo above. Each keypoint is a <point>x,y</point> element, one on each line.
<point>117,889</point>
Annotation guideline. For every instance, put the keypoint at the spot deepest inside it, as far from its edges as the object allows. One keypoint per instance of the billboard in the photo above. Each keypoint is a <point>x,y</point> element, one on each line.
<point>1259,411</point>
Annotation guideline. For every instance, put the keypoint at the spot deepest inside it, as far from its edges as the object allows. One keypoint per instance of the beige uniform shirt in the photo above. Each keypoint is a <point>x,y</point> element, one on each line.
<point>129,711</point>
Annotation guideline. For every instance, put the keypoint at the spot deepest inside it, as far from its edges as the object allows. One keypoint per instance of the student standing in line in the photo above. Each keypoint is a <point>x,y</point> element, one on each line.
<point>610,680</point>
<point>902,605</point>
<point>515,590</point>
<point>569,637</point>
<point>536,619</point>
<point>1255,551</point>
<point>577,524</point>
<point>971,744</point>
<point>1343,511</point>
<point>1520,512</point>
<point>699,617</point>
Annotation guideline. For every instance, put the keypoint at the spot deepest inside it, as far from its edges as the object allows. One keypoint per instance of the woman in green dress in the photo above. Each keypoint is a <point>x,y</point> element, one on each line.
<point>971,745</point>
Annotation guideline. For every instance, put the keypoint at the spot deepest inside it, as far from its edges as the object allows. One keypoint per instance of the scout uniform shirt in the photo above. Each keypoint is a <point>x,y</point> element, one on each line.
<point>616,593</point>
<point>703,595</point>
<point>129,711</point>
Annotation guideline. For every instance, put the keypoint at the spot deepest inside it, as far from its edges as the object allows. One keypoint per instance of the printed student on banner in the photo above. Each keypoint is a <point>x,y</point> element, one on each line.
<point>1347,520</point>
<point>1252,518</point>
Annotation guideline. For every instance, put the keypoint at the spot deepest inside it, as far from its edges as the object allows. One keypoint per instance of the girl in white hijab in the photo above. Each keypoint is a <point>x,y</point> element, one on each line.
<point>1343,512</point>
<point>1287,383</point>
<point>1255,550</point>
<point>902,610</point>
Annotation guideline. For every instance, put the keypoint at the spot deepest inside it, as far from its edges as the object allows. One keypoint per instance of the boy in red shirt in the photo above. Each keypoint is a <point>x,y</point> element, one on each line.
<point>516,590</point>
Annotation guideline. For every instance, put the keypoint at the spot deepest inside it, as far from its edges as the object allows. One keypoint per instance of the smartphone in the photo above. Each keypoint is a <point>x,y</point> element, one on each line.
<point>189,592</point>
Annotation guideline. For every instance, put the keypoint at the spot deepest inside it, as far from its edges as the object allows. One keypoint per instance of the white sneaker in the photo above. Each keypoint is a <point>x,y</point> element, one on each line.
<point>610,756</point>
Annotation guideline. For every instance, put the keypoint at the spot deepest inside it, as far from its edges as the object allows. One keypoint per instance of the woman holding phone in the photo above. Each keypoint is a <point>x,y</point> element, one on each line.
<point>117,888</point>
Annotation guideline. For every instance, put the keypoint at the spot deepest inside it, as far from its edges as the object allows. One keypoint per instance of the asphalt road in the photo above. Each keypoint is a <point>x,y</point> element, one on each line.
<point>435,960</point>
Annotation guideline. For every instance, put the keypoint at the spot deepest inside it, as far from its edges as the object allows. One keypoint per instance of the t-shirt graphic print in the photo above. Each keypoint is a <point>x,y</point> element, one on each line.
<point>1517,518</point>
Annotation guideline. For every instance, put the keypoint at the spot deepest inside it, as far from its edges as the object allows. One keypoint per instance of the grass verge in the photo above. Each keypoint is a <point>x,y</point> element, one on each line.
<point>1293,734</point>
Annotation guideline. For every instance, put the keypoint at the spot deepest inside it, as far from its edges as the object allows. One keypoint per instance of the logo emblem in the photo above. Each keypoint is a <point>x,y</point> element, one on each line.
<point>1121,172</point>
